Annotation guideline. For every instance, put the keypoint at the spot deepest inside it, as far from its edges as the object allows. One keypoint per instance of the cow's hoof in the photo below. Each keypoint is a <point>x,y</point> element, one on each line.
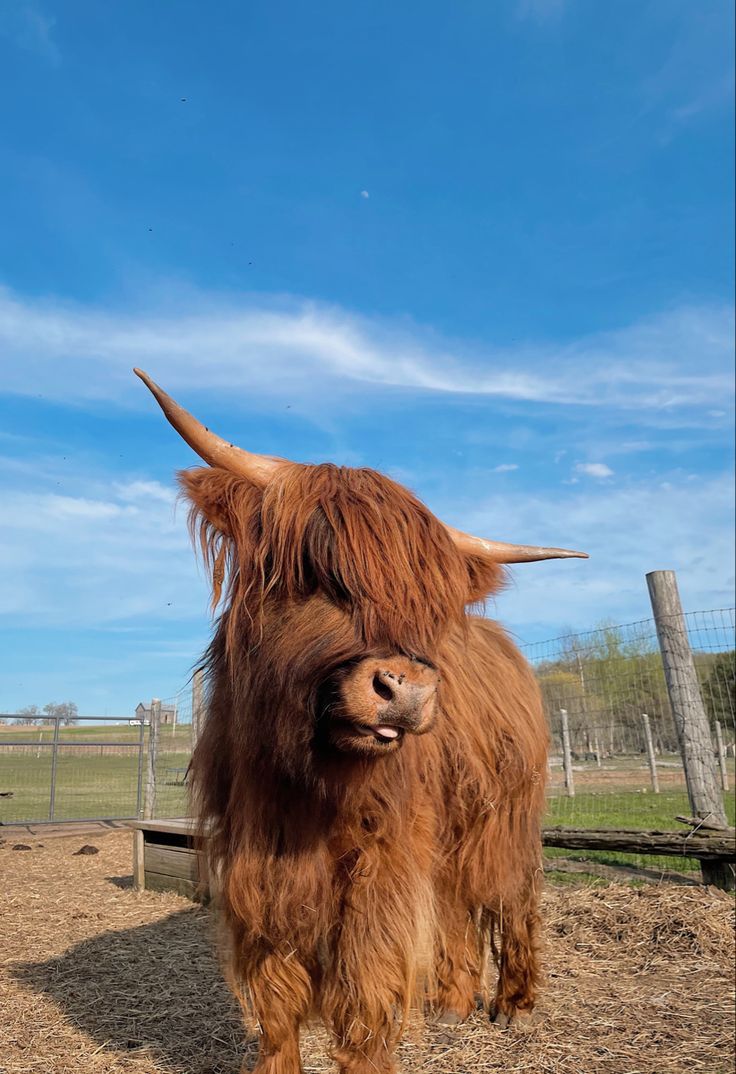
<point>517,1017</point>
<point>500,1019</point>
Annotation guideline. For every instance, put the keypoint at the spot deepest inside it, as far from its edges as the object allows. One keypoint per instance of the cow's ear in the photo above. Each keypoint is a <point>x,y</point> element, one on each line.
<point>223,519</point>
<point>485,578</point>
<point>214,497</point>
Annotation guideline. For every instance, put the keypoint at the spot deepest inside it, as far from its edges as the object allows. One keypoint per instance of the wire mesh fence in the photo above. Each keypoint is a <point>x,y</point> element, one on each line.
<point>95,767</point>
<point>607,681</point>
<point>608,687</point>
<point>89,770</point>
<point>174,752</point>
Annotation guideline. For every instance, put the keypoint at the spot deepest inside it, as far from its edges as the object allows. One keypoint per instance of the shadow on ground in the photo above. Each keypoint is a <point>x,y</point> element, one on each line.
<point>155,990</point>
<point>125,883</point>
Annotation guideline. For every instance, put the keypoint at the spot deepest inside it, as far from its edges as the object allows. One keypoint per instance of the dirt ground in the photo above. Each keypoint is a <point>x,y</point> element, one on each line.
<point>99,979</point>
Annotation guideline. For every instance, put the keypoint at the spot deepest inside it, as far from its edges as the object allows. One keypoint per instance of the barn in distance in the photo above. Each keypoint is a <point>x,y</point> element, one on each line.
<point>168,714</point>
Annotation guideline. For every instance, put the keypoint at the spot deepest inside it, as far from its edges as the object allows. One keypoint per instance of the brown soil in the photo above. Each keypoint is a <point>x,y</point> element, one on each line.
<point>96,978</point>
<point>635,777</point>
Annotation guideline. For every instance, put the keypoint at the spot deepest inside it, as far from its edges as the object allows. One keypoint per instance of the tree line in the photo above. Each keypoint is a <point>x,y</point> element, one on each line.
<point>65,711</point>
<point>606,680</point>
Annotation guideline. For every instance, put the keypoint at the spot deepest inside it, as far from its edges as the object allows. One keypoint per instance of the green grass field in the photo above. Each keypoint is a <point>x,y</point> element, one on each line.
<point>624,809</point>
<point>93,780</point>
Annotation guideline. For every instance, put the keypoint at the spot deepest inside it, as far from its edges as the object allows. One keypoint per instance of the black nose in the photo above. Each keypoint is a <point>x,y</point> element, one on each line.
<point>403,702</point>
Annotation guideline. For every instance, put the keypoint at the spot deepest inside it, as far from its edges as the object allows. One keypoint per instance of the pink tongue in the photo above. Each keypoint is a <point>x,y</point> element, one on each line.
<point>386,732</point>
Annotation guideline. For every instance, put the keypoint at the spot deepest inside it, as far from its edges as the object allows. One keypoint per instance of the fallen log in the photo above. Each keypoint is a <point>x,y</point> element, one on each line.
<point>705,844</point>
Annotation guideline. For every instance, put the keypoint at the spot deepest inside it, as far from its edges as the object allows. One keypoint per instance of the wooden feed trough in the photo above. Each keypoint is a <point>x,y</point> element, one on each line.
<point>164,858</point>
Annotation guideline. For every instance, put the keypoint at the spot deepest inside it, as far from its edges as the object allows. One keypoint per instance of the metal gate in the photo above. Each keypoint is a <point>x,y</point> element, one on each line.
<point>51,771</point>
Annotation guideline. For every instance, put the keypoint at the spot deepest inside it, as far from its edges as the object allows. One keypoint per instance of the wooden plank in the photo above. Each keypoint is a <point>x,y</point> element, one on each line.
<point>190,888</point>
<point>175,826</point>
<point>696,822</point>
<point>710,846</point>
<point>171,861</point>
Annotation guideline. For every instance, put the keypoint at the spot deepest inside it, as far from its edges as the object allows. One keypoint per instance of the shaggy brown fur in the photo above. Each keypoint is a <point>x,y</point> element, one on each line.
<point>352,883</point>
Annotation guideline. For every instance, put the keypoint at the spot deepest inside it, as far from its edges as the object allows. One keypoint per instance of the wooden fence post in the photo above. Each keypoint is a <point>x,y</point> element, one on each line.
<point>597,748</point>
<point>721,756</point>
<point>567,755</point>
<point>139,861</point>
<point>691,721</point>
<point>149,801</point>
<point>197,705</point>
<point>650,752</point>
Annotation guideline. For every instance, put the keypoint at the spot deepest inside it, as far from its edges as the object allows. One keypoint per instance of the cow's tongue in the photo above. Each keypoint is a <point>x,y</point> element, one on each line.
<point>386,732</point>
<point>381,732</point>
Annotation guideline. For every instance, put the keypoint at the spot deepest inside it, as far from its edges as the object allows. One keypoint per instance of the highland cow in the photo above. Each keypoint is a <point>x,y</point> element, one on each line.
<point>372,768</point>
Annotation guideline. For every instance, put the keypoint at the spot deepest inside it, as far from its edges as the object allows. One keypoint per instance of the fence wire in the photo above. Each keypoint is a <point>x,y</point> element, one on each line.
<point>610,683</point>
<point>88,770</point>
<point>175,745</point>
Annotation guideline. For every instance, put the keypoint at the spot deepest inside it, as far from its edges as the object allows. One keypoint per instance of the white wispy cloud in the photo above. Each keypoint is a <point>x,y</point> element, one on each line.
<point>715,94</point>
<point>678,359</point>
<point>594,469</point>
<point>110,555</point>
<point>647,526</point>
<point>144,491</point>
<point>694,74</point>
<point>540,11</point>
<point>80,549</point>
<point>23,23</point>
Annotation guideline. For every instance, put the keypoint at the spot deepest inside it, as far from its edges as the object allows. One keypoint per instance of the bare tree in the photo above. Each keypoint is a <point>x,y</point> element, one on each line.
<point>28,715</point>
<point>66,711</point>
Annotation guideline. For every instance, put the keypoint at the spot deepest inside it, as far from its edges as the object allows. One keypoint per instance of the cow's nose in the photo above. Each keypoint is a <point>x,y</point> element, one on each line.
<point>403,702</point>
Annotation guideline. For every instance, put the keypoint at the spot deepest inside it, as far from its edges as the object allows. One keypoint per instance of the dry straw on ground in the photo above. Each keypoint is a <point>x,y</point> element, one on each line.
<point>98,979</point>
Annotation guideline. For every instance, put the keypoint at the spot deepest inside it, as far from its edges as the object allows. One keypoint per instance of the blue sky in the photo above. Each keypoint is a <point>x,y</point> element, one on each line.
<point>486,248</point>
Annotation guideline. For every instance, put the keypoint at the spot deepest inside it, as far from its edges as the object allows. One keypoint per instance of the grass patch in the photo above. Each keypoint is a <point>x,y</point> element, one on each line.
<point>89,786</point>
<point>626,809</point>
<point>564,879</point>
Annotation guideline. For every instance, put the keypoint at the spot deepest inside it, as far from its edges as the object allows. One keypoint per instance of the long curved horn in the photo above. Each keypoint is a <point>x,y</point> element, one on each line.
<point>259,469</point>
<point>500,552</point>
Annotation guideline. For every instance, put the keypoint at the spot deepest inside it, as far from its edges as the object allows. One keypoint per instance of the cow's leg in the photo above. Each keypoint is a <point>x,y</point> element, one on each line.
<point>362,1005</point>
<point>364,1048</point>
<point>279,996</point>
<point>371,986</point>
<point>458,967</point>
<point>515,940</point>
